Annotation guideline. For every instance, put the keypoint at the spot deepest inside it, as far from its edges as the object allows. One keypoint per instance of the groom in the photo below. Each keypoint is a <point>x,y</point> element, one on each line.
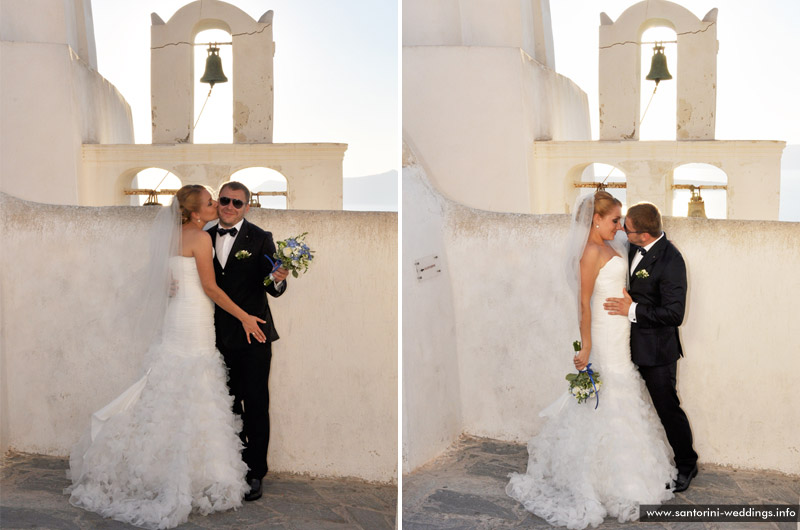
<point>240,266</point>
<point>655,307</point>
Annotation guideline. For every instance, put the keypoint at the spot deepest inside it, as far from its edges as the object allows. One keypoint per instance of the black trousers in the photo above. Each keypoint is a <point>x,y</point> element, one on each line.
<point>248,376</point>
<point>661,383</point>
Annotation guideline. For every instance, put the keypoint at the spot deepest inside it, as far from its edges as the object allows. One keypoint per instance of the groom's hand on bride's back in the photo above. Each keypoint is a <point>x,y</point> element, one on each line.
<point>619,306</point>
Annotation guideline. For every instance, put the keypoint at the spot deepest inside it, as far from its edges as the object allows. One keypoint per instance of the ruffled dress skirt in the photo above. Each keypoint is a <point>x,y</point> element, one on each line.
<point>587,464</point>
<point>169,445</point>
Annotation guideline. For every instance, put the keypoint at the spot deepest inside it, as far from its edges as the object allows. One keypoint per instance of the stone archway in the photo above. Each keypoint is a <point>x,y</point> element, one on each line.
<point>152,178</point>
<point>704,175</point>
<point>595,173</point>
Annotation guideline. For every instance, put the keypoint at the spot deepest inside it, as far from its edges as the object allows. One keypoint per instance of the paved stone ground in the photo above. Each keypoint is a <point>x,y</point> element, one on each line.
<point>465,489</point>
<point>31,486</point>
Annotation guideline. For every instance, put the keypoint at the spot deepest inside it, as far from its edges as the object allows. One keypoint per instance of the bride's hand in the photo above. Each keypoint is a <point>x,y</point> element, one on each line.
<point>250,325</point>
<point>581,359</point>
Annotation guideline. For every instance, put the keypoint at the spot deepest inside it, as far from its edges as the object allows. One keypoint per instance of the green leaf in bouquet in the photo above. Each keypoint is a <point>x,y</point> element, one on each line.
<point>294,273</point>
<point>576,345</point>
<point>571,377</point>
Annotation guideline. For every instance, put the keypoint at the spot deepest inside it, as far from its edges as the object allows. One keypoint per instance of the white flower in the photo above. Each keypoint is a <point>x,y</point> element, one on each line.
<point>642,274</point>
<point>242,254</point>
<point>287,252</point>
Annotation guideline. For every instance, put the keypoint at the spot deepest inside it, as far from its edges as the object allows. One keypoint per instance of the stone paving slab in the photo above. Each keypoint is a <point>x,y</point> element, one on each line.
<point>465,489</point>
<point>31,497</point>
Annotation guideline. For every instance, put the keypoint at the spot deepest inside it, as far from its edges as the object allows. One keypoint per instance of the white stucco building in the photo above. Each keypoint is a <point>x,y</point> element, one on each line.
<point>57,103</point>
<point>53,101</point>
<point>497,128</point>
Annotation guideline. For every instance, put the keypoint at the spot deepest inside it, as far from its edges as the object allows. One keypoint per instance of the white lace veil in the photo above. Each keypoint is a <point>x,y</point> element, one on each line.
<point>582,214</point>
<point>165,243</point>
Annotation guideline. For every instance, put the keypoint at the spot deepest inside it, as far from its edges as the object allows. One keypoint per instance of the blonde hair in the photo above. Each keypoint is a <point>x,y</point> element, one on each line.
<point>189,200</point>
<point>604,202</point>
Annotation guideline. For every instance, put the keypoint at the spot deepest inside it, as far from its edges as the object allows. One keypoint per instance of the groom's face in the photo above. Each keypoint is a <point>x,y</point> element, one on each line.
<point>634,236</point>
<point>229,215</point>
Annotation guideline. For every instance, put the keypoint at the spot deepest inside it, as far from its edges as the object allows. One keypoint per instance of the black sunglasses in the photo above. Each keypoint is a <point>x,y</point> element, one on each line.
<point>237,203</point>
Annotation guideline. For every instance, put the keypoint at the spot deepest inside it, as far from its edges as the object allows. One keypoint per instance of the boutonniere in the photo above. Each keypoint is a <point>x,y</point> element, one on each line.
<point>642,274</point>
<point>242,254</point>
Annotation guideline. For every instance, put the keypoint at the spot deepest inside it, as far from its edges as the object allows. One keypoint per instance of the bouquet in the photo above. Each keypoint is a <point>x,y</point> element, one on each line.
<point>293,255</point>
<point>586,383</point>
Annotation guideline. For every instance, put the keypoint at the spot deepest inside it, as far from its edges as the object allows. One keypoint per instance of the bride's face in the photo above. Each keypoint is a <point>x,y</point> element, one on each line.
<point>609,224</point>
<point>208,207</point>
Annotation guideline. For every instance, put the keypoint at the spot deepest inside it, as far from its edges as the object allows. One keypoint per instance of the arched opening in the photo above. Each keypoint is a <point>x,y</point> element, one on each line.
<point>659,121</point>
<point>715,200</point>
<point>153,178</point>
<point>610,175</point>
<point>263,183</point>
<point>215,125</point>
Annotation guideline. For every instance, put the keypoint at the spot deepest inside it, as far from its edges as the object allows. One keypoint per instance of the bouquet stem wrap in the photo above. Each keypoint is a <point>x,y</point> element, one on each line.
<point>588,371</point>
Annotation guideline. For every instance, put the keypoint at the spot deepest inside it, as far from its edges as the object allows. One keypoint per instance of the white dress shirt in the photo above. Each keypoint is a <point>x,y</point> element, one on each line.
<point>634,263</point>
<point>224,244</point>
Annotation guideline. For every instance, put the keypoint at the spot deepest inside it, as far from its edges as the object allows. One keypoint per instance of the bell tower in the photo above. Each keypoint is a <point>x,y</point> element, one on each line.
<point>172,71</point>
<point>620,70</point>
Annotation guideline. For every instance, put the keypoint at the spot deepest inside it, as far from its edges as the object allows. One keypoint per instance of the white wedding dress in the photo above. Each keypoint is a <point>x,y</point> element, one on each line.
<point>589,463</point>
<point>169,445</point>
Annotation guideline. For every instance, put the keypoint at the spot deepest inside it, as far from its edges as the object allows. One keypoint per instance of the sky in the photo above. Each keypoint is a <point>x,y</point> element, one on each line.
<point>335,64</point>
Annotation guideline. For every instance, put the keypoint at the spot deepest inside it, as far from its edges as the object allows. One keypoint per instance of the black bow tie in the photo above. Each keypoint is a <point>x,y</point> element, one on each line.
<point>231,231</point>
<point>640,250</point>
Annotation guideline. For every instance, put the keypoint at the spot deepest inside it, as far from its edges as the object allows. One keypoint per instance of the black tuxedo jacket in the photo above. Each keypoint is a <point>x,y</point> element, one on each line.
<point>661,299</point>
<point>243,281</point>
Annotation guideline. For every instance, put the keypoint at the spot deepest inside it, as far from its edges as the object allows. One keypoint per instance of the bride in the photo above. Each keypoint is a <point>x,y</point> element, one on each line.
<point>169,445</point>
<point>588,463</point>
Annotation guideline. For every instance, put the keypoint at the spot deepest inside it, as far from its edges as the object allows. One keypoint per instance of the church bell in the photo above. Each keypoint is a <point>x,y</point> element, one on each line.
<point>697,207</point>
<point>213,73</point>
<point>658,65</point>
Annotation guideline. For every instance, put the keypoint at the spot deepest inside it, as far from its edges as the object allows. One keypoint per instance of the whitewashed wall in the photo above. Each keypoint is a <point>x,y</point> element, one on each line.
<point>431,395</point>
<point>471,114</point>
<point>479,87</point>
<point>67,349</point>
<point>53,99</point>
<point>513,325</point>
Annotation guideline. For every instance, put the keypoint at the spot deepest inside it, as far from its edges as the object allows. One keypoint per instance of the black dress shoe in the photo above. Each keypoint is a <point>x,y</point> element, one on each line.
<point>683,480</point>
<point>255,490</point>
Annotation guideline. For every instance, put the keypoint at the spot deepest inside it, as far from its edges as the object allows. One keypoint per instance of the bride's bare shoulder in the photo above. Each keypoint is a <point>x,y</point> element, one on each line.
<point>591,254</point>
<point>193,240</point>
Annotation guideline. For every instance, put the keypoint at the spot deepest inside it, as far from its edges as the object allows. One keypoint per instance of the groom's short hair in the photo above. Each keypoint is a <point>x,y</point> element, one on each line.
<point>235,185</point>
<point>646,218</point>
